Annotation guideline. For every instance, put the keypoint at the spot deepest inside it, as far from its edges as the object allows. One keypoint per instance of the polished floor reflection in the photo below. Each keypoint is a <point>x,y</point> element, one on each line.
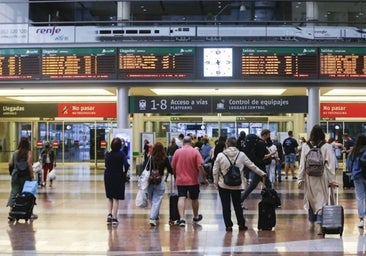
<point>72,221</point>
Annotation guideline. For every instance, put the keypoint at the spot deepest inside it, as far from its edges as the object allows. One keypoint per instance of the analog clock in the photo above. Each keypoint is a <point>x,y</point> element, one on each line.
<point>217,62</point>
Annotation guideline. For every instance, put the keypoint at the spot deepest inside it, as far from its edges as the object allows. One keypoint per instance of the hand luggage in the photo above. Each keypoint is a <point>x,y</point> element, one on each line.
<point>173,204</point>
<point>347,181</point>
<point>267,209</point>
<point>333,217</point>
<point>23,206</point>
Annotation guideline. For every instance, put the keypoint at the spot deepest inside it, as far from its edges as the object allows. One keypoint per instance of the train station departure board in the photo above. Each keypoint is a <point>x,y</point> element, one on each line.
<point>342,63</point>
<point>79,63</point>
<point>279,63</point>
<point>156,63</point>
<point>19,64</point>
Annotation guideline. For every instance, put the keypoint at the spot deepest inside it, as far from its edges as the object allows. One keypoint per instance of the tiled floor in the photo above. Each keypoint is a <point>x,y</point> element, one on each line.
<point>72,221</point>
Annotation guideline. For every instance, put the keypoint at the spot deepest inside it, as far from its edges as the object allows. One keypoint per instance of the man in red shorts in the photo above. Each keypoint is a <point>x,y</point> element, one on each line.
<point>188,165</point>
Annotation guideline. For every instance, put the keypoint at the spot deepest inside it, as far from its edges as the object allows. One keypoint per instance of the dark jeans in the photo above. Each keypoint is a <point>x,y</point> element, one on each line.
<point>253,184</point>
<point>227,196</point>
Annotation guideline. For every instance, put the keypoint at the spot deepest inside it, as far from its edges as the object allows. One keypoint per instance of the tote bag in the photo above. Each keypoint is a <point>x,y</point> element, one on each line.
<point>143,180</point>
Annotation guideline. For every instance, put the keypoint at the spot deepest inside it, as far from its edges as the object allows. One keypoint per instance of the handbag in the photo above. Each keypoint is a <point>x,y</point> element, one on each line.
<point>143,180</point>
<point>52,174</point>
<point>30,186</point>
<point>141,198</point>
<point>37,167</point>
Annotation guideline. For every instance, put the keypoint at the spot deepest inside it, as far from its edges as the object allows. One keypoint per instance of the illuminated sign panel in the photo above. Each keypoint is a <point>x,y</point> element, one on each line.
<point>19,64</point>
<point>279,63</point>
<point>79,63</point>
<point>156,63</point>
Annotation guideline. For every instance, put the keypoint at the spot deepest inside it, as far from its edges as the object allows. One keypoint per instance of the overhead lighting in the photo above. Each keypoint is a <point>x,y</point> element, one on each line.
<point>44,99</point>
<point>242,7</point>
<point>49,91</point>
<point>218,92</point>
<point>346,92</point>
<point>343,99</point>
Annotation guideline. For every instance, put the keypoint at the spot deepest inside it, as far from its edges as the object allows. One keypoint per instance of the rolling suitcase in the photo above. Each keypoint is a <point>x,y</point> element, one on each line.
<point>267,209</point>
<point>173,205</point>
<point>333,217</point>
<point>347,181</point>
<point>23,206</point>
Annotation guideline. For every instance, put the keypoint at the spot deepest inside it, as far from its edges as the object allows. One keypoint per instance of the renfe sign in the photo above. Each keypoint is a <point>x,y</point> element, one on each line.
<point>341,109</point>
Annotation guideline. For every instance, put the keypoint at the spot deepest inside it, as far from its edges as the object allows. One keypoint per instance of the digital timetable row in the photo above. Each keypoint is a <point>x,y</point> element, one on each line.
<point>180,63</point>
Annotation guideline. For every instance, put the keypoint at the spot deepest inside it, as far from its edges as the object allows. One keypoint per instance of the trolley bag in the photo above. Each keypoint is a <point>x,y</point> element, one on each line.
<point>23,206</point>
<point>173,205</point>
<point>267,210</point>
<point>333,216</point>
<point>347,181</point>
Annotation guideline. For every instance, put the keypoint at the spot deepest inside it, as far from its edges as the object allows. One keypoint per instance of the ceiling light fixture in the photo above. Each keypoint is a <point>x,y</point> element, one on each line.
<point>242,7</point>
<point>44,99</point>
<point>217,92</point>
<point>346,92</point>
<point>51,92</point>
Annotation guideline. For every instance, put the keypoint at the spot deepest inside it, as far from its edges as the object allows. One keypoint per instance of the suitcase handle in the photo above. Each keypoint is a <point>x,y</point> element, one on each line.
<point>330,193</point>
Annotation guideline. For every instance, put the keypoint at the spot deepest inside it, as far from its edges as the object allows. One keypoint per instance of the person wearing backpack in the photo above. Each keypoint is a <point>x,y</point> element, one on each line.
<point>18,177</point>
<point>315,187</point>
<point>231,193</point>
<point>356,164</point>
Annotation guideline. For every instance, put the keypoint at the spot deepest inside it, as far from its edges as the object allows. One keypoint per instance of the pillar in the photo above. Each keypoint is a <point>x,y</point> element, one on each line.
<point>313,108</point>
<point>122,108</point>
<point>123,11</point>
<point>312,12</point>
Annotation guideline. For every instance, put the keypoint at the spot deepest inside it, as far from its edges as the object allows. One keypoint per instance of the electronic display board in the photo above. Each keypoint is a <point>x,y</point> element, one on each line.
<point>279,63</point>
<point>156,63</point>
<point>79,63</point>
<point>19,64</point>
<point>342,63</point>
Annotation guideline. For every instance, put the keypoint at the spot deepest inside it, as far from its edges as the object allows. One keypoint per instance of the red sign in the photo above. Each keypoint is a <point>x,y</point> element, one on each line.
<point>341,109</point>
<point>87,110</point>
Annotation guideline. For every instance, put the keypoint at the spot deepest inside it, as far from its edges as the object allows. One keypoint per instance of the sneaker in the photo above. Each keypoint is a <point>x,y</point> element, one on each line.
<point>115,222</point>
<point>109,218</point>
<point>360,224</point>
<point>182,223</point>
<point>198,218</point>
<point>153,222</point>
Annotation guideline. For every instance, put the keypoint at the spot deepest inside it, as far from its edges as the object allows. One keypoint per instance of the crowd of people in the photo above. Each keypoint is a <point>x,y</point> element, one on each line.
<point>194,162</point>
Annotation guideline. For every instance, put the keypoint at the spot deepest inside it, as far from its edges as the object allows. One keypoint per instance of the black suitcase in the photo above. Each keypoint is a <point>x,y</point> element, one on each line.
<point>23,206</point>
<point>266,215</point>
<point>173,205</point>
<point>333,217</point>
<point>347,181</point>
<point>267,209</point>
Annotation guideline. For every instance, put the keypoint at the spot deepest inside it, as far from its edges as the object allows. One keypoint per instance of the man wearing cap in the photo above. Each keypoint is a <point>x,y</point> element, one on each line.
<point>187,164</point>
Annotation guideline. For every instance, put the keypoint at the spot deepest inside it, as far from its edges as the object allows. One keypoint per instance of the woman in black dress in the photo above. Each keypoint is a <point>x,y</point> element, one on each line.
<point>116,167</point>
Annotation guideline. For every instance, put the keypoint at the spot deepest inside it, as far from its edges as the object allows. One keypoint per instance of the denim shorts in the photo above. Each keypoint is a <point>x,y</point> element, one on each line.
<point>193,191</point>
<point>290,158</point>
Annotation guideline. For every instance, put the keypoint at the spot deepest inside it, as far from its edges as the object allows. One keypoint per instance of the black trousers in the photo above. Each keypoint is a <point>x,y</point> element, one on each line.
<point>253,184</point>
<point>227,196</point>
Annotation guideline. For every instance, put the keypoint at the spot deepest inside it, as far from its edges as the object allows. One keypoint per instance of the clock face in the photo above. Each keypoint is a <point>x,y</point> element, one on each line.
<point>217,62</point>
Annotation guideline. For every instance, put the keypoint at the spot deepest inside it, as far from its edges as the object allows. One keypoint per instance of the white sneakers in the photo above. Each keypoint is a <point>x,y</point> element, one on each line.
<point>361,224</point>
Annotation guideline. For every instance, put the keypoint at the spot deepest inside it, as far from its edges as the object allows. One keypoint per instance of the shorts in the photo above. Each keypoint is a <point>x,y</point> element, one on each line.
<point>290,158</point>
<point>193,191</point>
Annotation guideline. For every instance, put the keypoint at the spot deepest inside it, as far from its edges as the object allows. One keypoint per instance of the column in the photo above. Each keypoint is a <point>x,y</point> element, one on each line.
<point>299,124</point>
<point>313,108</point>
<point>123,11</point>
<point>312,12</point>
<point>122,108</point>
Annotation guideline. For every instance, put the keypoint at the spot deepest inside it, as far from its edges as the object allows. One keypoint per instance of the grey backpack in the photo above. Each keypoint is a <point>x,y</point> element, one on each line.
<point>314,162</point>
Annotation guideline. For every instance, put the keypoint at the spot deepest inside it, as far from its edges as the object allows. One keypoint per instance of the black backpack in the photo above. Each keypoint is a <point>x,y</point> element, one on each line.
<point>232,177</point>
